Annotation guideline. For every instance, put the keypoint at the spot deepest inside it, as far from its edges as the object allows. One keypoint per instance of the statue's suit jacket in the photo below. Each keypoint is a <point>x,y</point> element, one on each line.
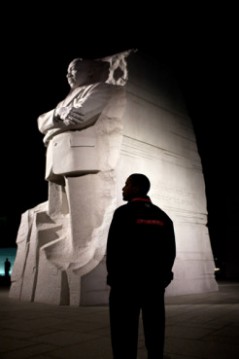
<point>72,149</point>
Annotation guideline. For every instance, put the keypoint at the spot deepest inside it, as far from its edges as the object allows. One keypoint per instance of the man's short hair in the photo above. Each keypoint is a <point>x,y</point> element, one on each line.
<point>140,180</point>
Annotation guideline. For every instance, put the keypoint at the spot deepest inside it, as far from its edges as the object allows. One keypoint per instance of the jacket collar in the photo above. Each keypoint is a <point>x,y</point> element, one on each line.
<point>140,199</point>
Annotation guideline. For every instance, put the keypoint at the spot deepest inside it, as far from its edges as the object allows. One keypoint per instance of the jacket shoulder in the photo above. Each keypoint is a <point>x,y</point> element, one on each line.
<point>161,212</point>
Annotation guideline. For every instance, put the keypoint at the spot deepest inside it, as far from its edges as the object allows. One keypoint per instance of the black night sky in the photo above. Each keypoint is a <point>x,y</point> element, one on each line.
<point>201,51</point>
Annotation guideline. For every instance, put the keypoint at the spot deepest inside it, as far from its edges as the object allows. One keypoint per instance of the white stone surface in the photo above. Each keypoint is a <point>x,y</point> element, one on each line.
<point>144,128</point>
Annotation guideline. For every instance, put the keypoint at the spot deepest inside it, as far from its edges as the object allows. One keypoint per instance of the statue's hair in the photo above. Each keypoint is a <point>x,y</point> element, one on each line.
<point>97,64</point>
<point>100,69</point>
<point>111,69</point>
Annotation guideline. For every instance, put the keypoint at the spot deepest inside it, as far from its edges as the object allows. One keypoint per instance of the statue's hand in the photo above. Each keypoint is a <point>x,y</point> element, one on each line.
<point>69,115</point>
<point>61,113</point>
<point>74,117</point>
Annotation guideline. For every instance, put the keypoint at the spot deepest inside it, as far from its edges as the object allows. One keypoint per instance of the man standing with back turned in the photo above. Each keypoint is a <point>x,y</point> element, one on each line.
<point>140,255</point>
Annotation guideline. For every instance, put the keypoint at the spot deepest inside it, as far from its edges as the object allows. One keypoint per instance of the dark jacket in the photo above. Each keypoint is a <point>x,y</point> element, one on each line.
<point>141,245</point>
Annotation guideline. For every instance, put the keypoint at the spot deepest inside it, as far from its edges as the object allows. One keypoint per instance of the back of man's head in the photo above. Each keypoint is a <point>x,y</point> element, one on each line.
<point>140,181</point>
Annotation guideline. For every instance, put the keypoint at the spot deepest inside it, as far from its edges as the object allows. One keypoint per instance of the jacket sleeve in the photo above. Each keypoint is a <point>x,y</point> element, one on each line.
<point>46,121</point>
<point>170,253</point>
<point>113,248</point>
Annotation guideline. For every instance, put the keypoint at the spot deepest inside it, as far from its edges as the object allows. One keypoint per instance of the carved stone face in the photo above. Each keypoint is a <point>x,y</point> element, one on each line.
<point>79,73</point>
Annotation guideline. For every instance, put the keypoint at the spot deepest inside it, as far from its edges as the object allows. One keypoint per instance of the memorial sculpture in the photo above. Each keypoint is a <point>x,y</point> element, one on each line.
<point>123,114</point>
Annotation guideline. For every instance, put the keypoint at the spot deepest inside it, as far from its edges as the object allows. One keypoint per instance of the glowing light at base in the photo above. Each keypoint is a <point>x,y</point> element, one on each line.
<point>9,253</point>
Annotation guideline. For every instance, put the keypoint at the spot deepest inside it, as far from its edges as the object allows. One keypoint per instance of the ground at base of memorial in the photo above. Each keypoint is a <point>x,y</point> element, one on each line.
<point>198,326</point>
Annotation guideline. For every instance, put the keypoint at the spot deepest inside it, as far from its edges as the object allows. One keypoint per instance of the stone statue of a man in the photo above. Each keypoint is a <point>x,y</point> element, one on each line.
<point>64,238</point>
<point>82,135</point>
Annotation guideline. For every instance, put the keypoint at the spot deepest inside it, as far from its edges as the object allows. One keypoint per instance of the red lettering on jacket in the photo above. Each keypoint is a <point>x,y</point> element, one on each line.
<point>156,222</point>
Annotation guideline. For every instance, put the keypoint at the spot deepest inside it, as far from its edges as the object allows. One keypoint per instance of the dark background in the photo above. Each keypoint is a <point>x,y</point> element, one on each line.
<point>199,45</point>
